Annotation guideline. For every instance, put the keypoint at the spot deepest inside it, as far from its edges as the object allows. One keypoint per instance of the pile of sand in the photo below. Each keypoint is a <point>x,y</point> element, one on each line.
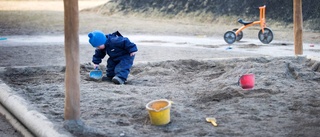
<point>284,102</point>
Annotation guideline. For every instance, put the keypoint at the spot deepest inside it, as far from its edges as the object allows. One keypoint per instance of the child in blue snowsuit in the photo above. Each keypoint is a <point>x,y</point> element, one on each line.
<point>121,54</point>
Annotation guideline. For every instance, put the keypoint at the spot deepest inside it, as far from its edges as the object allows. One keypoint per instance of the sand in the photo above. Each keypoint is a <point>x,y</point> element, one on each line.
<point>284,101</point>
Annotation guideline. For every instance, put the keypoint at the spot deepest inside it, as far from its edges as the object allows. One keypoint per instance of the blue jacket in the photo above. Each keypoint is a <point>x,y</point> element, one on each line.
<point>116,47</point>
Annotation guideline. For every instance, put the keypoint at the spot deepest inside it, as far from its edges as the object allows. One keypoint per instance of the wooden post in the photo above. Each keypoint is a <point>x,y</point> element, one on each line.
<point>297,28</point>
<point>72,74</point>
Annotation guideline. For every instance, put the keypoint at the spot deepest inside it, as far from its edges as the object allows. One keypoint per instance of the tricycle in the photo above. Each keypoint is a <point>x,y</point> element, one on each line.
<point>265,35</point>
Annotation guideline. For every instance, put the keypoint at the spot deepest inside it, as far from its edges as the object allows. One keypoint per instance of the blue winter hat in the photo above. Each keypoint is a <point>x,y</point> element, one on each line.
<point>97,38</point>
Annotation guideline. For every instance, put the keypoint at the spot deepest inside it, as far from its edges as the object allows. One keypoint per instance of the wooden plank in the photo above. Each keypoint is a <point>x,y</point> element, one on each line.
<point>72,74</point>
<point>298,27</point>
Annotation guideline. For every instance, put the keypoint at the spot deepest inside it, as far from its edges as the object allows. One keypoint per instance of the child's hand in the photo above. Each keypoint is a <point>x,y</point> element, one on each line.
<point>133,53</point>
<point>95,66</point>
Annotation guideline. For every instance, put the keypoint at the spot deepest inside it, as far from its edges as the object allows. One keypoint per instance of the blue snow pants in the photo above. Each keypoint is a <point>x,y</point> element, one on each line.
<point>120,66</point>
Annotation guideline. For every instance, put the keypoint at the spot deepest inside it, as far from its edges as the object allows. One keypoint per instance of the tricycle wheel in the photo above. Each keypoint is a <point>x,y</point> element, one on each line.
<point>265,37</point>
<point>239,36</point>
<point>230,37</point>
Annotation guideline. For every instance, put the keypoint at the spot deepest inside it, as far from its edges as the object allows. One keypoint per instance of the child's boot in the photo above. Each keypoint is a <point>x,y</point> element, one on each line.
<point>117,80</point>
<point>106,78</point>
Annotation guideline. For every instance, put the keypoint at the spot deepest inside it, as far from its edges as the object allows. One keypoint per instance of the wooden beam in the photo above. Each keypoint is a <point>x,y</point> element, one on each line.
<point>297,28</point>
<point>72,74</point>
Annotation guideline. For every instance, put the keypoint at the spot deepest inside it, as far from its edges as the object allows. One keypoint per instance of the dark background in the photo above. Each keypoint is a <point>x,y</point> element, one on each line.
<point>279,10</point>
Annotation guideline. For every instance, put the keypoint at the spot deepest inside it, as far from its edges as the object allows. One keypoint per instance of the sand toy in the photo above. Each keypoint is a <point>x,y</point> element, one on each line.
<point>96,73</point>
<point>213,121</point>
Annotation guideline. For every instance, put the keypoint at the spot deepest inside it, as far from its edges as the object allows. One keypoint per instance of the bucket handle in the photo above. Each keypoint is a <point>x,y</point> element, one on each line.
<point>239,80</point>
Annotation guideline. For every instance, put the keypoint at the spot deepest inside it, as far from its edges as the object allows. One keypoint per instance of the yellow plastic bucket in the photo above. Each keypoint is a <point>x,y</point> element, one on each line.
<point>159,111</point>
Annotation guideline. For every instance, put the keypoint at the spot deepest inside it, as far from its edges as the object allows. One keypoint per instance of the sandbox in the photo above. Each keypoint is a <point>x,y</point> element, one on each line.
<point>284,102</point>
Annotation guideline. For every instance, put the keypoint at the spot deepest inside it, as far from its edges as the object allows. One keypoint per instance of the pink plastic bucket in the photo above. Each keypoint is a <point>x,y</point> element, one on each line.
<point>246,81</point>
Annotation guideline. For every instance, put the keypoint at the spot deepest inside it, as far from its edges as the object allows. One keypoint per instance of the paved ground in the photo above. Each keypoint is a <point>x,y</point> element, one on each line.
<point>159,48</point>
